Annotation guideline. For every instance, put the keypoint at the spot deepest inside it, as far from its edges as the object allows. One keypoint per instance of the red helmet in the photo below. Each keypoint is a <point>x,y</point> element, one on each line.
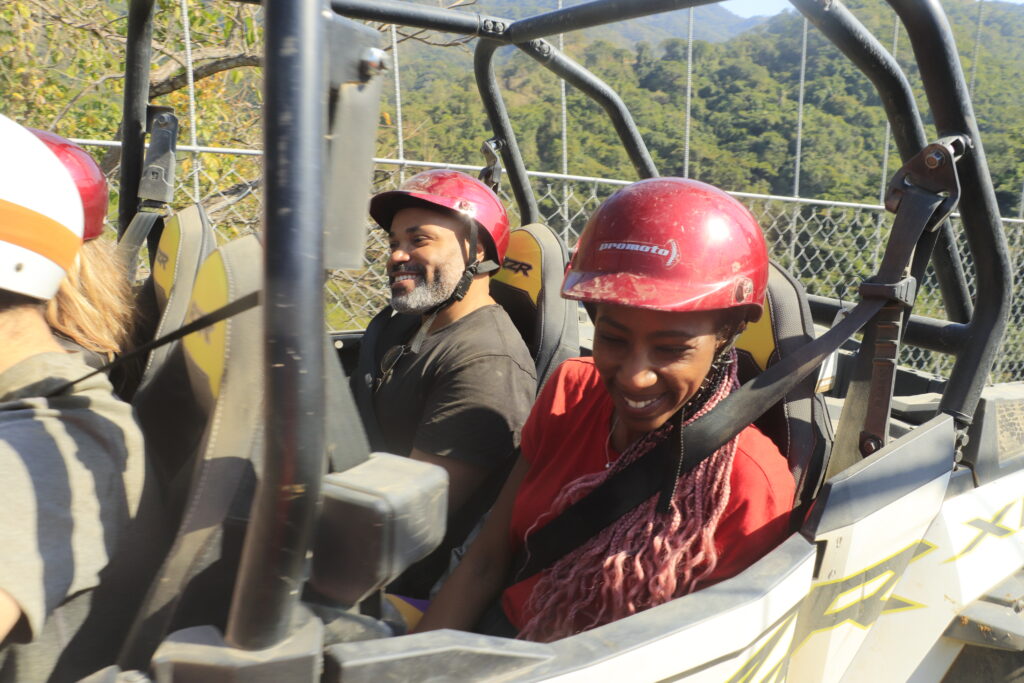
<point>91,183</point>
<point>455,192</point>
<point>671,244</point>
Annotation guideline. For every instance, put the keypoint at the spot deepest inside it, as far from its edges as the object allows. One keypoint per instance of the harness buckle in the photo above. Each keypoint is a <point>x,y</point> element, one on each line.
<point>903,292</point>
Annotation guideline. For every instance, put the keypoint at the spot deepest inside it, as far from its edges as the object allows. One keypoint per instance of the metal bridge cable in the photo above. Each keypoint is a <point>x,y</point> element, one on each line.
<point>977,48</point>
<point>399,129</point>
<point>565,144</point>
<point>800,112</point>
<point>689,93</point>
<point>885,153</point>
<point>186,27</point>
<point>794,219</point>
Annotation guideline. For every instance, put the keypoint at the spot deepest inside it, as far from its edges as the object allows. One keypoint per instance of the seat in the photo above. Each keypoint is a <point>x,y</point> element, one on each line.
<point>799,424</point>
<point>528,287</point>
<point>217,397</point>
<point>185,242</point>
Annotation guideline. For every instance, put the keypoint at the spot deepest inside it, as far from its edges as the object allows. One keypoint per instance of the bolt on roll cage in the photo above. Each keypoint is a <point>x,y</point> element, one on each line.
<point>284,511</point>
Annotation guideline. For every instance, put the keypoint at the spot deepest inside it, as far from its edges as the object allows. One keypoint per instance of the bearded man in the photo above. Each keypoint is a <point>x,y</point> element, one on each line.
<point>455,389</point>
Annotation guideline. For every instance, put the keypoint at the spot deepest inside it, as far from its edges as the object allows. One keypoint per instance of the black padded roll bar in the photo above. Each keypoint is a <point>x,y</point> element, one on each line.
<point>285,505</point>
<point>417,16</point>
<point>946,88</point>
<point>599,91</point>
<point>494,30</point>
<point>136,98</point>
<point>881,68</point>
<point>941,336</point>
<point>483,69</point>
<point>590,14</point>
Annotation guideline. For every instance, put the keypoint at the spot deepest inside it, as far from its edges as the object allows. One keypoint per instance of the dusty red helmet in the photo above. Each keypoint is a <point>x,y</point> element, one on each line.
<point>453,191</point>
<point>671,244</point>
<point>89,178</point>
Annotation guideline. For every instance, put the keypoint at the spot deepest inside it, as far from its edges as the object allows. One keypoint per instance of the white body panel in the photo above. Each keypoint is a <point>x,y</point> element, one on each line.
<point>736,637</point>
<point>856,579</point>
<point>976,546</point>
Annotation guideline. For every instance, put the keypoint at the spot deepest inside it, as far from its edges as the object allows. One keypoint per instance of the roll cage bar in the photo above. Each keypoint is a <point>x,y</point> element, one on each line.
<point>285,507</point>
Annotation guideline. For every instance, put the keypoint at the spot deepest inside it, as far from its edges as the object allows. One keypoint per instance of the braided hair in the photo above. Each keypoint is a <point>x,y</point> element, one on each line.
<point>646,558</point>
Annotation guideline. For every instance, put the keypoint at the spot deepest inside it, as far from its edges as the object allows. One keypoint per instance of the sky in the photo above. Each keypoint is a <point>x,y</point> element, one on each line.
<point>750,8</point>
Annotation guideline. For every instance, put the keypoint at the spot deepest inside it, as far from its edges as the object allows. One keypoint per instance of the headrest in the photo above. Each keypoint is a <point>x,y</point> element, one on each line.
<point>229,273</point>
<point>758,340</point>
<point>523,264</point>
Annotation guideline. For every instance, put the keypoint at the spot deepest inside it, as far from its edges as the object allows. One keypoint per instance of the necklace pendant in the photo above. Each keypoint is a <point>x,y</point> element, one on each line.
<point>607,465</point>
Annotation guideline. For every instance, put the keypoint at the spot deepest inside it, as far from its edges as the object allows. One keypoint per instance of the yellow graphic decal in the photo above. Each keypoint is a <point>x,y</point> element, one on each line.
<point>986,527</point>
<point>166,260</point>
<point>776,675</point>
<point>862,592</point>
<point>752,666</point>
<point>758,340</point>
<point>206,348</point>
<point>522,266</point>
<point>861,598</point>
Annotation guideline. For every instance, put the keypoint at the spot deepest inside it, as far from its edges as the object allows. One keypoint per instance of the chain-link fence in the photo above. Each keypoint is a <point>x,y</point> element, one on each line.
<point>830,246</point>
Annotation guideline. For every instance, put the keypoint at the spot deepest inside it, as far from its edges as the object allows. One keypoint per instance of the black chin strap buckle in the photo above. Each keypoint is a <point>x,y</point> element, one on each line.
<point>464,282</point>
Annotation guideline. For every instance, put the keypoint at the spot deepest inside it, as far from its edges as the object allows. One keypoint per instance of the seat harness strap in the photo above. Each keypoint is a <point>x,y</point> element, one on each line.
<point>235,307</point>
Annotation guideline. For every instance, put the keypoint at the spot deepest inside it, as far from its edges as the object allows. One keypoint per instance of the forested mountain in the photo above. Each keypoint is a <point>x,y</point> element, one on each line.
<point>744,106</point>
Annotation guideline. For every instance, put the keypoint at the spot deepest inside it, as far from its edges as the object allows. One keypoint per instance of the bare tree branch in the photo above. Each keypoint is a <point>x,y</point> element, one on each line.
<point>70,103</point>
<point>429,37</point>
<point>230,196</point>
<point>177,61</point>
<point>98,29</point>
<point>205,70</point>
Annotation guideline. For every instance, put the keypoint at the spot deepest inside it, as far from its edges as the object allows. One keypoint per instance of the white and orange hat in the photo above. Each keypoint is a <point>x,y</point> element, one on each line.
<point>41,216</point>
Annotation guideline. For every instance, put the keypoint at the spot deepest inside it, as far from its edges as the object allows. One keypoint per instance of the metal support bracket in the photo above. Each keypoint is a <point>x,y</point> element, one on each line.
<point>493,28</point>
<point>356,70</point>
<point>156,186</point>
<point>922,194</point>
<point>353,50</point>
<point>490,174</point>
<point>932,169</point>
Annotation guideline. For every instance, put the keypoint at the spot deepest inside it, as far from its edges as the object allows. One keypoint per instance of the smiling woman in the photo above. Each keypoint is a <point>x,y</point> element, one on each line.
<point>674,270</point>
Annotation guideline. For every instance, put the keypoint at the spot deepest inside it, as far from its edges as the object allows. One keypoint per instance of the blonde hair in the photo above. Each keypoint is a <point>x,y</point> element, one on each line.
<point>94,306</point>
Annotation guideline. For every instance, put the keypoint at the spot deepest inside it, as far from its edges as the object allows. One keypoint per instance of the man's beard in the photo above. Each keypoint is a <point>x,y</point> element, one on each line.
<point>426,295</point>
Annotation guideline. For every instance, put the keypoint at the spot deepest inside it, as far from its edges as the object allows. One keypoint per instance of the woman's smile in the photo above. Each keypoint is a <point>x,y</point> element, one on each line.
<point>651,363</point>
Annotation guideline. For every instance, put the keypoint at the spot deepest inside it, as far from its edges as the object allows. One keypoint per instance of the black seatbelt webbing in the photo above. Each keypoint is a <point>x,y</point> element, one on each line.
<point>248,301</point>
<point>366,369</point>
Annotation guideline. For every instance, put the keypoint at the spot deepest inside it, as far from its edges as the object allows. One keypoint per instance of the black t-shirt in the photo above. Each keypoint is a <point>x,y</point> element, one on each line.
<point>465,395</point>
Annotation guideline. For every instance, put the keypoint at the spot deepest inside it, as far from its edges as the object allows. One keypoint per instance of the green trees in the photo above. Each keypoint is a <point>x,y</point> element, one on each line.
<point>744,107</point>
